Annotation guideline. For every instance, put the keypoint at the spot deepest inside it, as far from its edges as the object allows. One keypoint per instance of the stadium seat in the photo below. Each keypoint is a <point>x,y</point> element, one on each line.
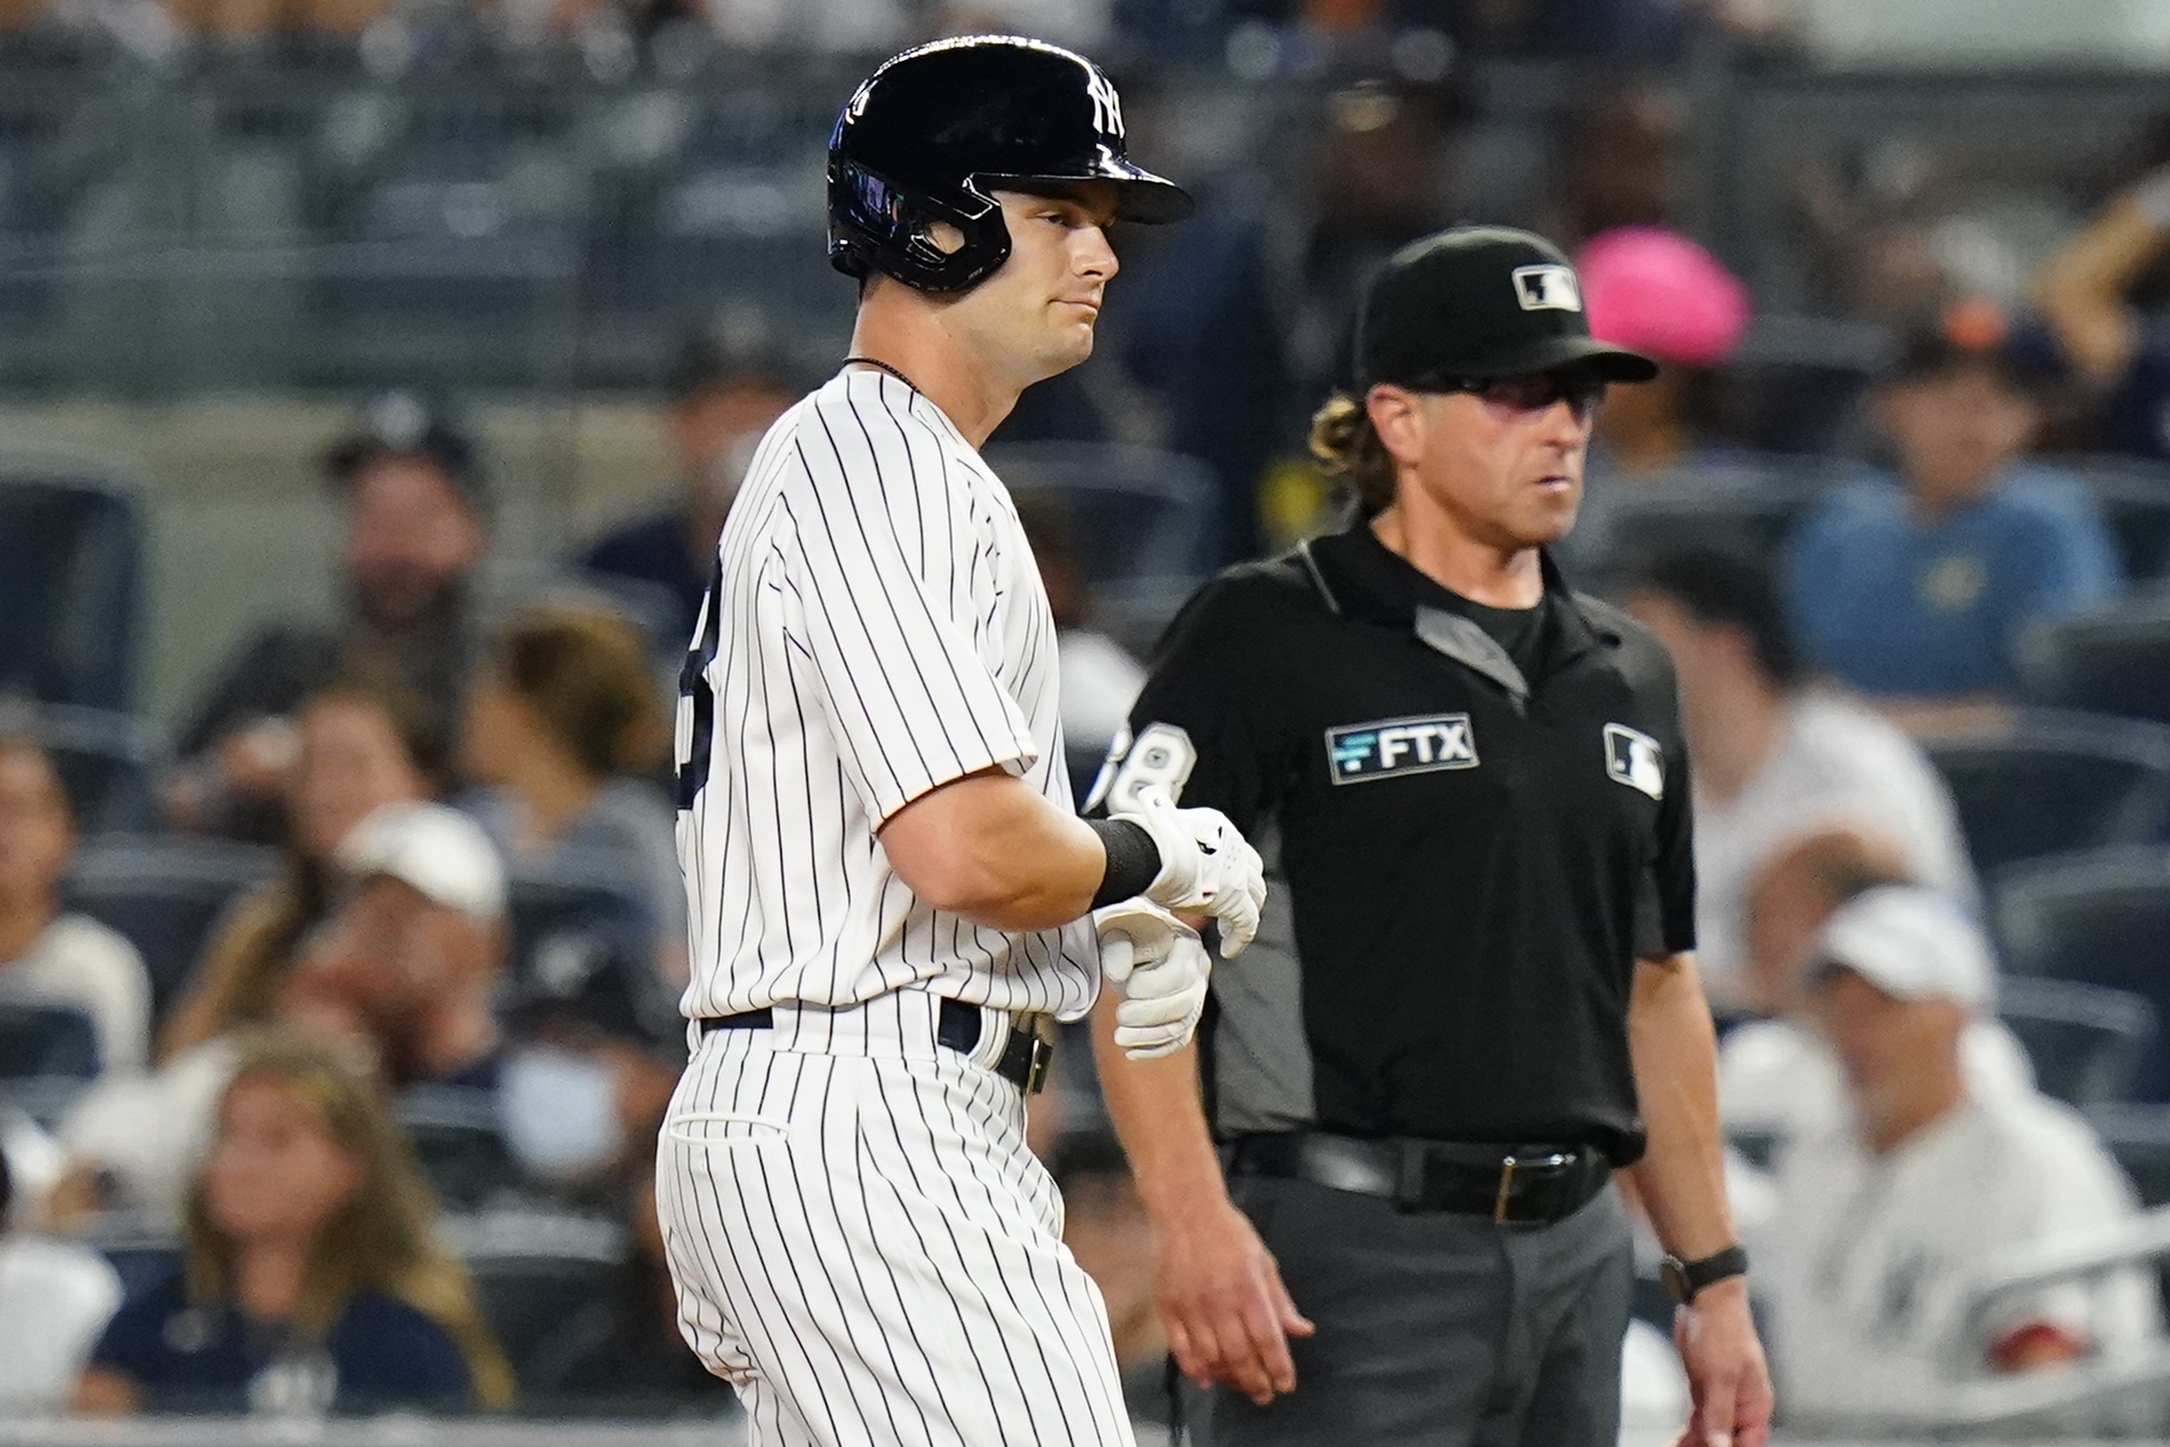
<point>2135,498</point>
<point>534,1268</point>
<point>2055,782</point>
<point>46,1042</point>
<point>106,762</point>
<point>2110,660</point>
<point>2085,1041</point>
<point>456,1138</point>
<point>2101,917</point>
<point>2139,1136</point>
<point>164,894</point>
<point>1747,509</point>
<point>1141,523</point>
<point>71,546</point>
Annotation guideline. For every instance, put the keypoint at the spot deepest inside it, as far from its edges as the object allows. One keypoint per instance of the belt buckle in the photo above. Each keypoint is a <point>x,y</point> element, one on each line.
<point>1506,1189</point>
<point>1043,1055</point>
<point>1507,1170</point>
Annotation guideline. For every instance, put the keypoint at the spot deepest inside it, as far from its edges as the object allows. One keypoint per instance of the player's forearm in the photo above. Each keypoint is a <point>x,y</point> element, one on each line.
<point>1161,1122</point>
<point>1682,1173</point>
<point>989,848</point>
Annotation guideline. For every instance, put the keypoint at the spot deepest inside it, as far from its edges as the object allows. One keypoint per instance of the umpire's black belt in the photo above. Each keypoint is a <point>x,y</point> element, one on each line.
<point>1025,1056</point>
<point>1514,1185</point>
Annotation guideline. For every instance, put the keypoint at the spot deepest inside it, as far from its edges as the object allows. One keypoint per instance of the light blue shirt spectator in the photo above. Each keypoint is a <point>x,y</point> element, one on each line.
<point>1894,602</point>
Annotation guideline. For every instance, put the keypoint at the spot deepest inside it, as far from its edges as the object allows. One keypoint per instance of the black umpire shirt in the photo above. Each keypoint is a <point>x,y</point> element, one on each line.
<point>1475,821</point>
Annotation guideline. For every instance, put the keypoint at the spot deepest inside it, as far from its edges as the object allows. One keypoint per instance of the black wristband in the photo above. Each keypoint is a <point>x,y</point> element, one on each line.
<point>1133,860</point>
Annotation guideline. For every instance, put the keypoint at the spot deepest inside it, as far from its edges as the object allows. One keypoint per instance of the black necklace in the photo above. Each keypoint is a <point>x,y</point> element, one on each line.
<point>885,367</point>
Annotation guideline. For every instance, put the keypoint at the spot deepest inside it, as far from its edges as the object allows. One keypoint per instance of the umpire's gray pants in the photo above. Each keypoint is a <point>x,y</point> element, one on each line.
<point>1439,1329</point>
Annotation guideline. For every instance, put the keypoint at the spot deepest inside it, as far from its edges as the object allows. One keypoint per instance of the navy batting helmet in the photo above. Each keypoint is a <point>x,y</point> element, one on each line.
<point>933,133</point>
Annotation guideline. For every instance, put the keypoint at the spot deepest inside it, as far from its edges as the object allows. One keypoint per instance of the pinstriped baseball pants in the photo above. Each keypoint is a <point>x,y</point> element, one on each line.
<point>862,1243</point>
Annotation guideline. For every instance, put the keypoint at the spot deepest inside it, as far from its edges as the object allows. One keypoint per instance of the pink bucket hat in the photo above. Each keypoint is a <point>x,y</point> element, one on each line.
<point>1655,291</point>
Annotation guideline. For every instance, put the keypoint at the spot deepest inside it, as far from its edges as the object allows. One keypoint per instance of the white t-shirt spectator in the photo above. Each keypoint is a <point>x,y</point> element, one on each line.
<point>1866,1261</point>
<point>55,1299</point>
<point>1836,763</point>
<point>1779,1078</point>
<point>79,964</point>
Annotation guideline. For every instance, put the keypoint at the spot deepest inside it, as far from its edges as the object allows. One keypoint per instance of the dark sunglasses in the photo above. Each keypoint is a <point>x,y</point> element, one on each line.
<point>1535,391</point>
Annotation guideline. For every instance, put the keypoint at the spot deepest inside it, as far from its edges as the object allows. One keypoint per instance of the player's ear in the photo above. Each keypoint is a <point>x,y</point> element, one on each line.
<point>1398,416</point>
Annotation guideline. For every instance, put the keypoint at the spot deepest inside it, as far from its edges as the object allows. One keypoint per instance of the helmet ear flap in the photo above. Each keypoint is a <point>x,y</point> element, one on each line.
<point>876,225</point>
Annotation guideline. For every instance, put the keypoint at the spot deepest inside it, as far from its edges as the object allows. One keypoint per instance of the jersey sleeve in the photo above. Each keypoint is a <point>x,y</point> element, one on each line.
<point>893,580</point>
<point>1198,728</point>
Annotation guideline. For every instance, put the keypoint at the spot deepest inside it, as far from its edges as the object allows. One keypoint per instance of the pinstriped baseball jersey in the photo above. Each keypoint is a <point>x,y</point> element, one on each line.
<point>876,628</point>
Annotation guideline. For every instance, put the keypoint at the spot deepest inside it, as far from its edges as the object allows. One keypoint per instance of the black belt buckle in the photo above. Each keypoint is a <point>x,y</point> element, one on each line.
<point>1503,1201</point>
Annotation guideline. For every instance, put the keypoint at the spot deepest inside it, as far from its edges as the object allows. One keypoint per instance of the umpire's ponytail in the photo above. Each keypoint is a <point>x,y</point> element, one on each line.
<point>1343,438</point>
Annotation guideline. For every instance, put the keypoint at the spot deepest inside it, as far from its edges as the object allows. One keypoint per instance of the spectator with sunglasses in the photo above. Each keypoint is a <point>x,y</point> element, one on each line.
<point>1380,1182</point>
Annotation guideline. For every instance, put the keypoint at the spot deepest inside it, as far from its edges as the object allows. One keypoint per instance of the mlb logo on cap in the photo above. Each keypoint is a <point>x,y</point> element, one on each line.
<point>1547,288</point>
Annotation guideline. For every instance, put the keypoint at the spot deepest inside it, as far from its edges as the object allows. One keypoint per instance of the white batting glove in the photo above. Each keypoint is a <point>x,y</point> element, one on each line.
<point>1160,969</point>
<point>1205,864</point>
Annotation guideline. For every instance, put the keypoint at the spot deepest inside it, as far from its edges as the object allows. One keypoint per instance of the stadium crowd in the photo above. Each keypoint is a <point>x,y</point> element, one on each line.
<point>319,1166</point>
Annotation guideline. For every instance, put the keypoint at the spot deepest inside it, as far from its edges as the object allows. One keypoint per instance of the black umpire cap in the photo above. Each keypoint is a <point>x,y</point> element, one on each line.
<point>406,424</point>
<point>1478,302</point>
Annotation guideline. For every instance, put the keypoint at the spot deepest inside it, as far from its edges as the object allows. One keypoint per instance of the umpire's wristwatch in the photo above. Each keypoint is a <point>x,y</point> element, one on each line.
<point>1684,1280</point>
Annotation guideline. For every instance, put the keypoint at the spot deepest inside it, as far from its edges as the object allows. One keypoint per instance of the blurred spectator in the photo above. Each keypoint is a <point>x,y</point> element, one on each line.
<point>852,27</point>
<point>1884,1217</point>
<point>563,726</point>
<point>1917,586</point>
<point>721,402</point>
<point>1239,321</point>
<point>361,745</point>
<point>1654,291</point>
<point>1775,761</point>
<point>596,1050</point>
<point>2106,297</point>
<point>403,973</point>
<point>1624,155</point>
<point>48,957</point>
<point>1105,1227</point>
<point>409,966</point>
<point>312,1279</point>
<point>416,534</point>
<point>623,1353</point>
<point>1100,680</point>
<point>55,1299</point>
<point>1776,1076</point>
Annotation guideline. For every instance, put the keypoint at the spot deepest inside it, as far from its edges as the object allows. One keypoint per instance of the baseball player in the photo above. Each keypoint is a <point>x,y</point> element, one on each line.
<point>887,882</point>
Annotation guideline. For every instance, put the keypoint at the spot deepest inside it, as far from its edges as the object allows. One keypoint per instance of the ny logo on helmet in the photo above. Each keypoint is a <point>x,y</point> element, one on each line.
<point>1107,105</point>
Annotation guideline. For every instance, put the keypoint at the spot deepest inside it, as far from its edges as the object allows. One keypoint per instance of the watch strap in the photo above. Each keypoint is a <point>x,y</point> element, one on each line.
<point>1694,1276</point>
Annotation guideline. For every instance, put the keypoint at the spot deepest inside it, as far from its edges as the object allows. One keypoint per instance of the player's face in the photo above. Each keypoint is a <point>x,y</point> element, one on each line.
<point>1036,314</point>
<point>1502,466</point>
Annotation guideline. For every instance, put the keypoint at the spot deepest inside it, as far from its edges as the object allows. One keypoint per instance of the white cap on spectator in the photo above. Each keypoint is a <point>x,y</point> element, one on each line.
<point>1911,943</point>
<point>439,851</point>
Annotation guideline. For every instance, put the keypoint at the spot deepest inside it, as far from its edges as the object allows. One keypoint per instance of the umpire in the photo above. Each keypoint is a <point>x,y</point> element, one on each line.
<point>1472,1001</point>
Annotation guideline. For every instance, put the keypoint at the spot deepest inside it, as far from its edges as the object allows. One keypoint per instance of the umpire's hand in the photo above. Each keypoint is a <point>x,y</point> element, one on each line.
<point>1206,865</point>
<point>1727,1376</point>
<point>1227,1315</point>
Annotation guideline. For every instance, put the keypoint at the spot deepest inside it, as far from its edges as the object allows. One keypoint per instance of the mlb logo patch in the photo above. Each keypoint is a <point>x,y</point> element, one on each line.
<point>1359,753</point>
<point>1547,288</point>
<point>1634,759</point>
